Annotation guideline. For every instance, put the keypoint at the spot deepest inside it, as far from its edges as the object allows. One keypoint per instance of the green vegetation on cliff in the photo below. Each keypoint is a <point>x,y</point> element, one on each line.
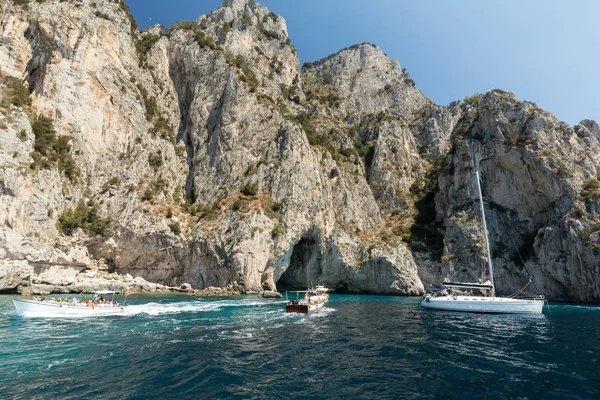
<point>85,216</point>
<point>52,151</point>
<point>16,93</point>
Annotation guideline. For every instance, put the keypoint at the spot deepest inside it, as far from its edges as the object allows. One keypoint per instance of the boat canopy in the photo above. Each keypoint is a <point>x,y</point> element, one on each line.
<point>488,285</point>
<point>105,292</point>
<point>321,289</point>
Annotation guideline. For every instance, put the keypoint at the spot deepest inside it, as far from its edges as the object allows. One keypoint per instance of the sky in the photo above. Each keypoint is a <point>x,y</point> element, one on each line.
<point>545,51</point>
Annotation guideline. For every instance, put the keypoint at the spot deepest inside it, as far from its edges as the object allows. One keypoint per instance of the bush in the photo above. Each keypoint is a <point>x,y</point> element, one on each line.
<point>22,3</point>
<point>124,7</point>
<point>112,182</point>
<point>277,230</point>
<point>149,103</point>
<point>162,128</point>
<point>269,34</point>
<point>471,100</point>
<point>148,195</point>
<point>319,139</point>
<point>52,151</point>
<point>84,216</point>
<point>246,21</point>
<point>204,40</point>
<point>275,206</point>
<point>175,228</point>
<point>155,160</point>
<point>100,14</point>
<point>238,204</point>
<point>366,151</point>
<point>143,45</point>
<point>67,165</point>
<point>250,189</point>
<point>45,135</point>
<point>591,183</point>
<point>305,121</point>
<point>246,75</point>
<point>226,27</point>
<point>251,170</point>
<point>407,79</point>
<point>17,93</point>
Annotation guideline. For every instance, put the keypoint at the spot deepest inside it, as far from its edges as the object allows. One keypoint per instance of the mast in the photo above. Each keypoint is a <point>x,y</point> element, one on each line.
<point>485,232</point>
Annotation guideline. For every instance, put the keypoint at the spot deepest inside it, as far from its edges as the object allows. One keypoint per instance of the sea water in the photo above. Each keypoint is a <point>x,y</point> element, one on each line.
<point>357,347</point>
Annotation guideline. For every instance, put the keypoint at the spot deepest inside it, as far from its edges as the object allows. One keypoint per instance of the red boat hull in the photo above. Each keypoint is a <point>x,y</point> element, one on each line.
<point>297,308</point>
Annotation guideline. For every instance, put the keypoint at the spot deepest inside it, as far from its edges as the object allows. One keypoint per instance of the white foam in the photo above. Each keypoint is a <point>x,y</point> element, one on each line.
<point>191,306</point>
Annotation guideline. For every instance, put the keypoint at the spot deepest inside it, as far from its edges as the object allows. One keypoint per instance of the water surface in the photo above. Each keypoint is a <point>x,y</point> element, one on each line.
<point>244,347</point>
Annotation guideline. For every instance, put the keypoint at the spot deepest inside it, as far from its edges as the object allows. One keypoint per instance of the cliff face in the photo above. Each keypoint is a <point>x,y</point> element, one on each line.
<point>204,154</point>
<point>539,179</point>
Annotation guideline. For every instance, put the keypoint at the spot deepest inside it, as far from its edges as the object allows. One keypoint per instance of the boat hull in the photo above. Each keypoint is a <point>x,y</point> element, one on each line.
<point>480,304</point>
<point>303,308</point>
<point>36,308</point>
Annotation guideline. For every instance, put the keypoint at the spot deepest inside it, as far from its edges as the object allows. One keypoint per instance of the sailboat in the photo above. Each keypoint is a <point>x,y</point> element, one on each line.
<point>482,304</point>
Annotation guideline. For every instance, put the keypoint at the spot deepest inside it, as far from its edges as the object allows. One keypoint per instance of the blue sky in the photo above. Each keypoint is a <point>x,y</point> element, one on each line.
<point>546,51</point>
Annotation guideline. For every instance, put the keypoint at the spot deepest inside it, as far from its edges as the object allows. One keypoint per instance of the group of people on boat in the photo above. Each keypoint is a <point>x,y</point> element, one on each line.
<point>96,301</point>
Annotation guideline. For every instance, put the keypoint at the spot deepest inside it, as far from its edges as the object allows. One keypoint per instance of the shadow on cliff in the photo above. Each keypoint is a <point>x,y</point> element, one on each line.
<point>305,267</point>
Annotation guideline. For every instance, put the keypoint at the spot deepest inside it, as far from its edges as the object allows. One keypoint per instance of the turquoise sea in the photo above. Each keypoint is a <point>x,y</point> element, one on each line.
<point>358,347</point>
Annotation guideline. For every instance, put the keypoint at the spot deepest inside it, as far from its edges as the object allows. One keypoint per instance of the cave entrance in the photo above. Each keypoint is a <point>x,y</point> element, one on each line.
<point>304,269</point>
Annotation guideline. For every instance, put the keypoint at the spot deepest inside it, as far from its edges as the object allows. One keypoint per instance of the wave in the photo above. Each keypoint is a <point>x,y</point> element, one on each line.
<point>194,306</point>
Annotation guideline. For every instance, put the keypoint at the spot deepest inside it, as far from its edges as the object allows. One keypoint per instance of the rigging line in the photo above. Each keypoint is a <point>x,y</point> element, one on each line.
<point>517,250</point>
<point>512,242</point>
<point>548,305</point>
<point>518,292</point>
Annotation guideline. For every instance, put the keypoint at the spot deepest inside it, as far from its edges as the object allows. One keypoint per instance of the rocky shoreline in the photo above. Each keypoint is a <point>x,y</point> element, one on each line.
<point>30,278</point>
<point>35,278</point>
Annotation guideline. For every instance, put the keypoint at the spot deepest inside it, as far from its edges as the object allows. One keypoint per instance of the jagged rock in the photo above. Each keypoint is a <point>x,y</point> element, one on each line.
<point>14,274</point>
<point>269,294</point>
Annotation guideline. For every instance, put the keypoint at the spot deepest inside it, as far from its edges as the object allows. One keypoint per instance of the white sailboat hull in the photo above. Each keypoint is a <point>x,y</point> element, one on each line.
<point>480,304</point>
<point>34,308</point>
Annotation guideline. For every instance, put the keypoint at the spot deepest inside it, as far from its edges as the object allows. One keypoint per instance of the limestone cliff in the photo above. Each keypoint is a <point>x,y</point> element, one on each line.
<point>540,181</point>
<point>204,154</point>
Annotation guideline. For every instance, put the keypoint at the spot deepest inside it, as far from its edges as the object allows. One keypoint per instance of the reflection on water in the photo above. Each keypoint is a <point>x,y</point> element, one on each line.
<point>485,343</point>
<point>245,347</point>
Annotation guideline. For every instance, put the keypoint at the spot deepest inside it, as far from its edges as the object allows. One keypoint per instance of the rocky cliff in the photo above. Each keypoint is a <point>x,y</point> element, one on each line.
<point>204,154</point>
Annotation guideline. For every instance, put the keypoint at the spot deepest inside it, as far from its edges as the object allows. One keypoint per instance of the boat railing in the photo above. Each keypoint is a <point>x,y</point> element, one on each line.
<point>95,301</point>
<point>531,297</point>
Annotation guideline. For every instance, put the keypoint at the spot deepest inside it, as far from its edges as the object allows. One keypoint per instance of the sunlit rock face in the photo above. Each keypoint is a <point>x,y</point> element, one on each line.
<point>540,191</point>
<point>204,154</point>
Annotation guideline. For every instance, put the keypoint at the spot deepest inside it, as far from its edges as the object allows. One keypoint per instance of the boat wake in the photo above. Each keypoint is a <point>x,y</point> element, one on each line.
<point>195,306</point>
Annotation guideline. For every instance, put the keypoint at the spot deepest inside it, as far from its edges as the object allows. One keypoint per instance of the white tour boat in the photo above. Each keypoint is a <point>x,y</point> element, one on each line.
<point>312,300</point>
<point>482,304</point>
<point>97,305</point>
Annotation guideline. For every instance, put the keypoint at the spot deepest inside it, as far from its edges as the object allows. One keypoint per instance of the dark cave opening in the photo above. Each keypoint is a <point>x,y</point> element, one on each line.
<point>304,269</point>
